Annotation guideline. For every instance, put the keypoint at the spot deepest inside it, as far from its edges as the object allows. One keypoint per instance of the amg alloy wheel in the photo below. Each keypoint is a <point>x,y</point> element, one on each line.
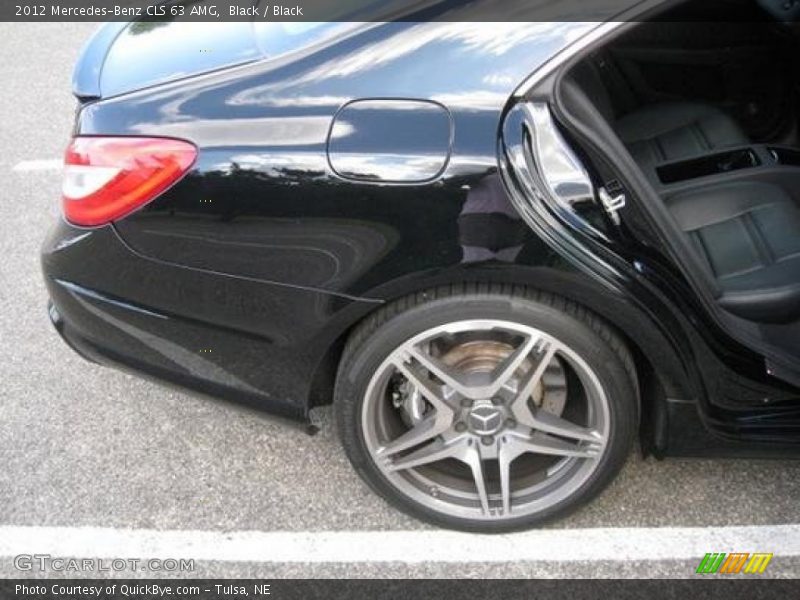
<point>486,412</point>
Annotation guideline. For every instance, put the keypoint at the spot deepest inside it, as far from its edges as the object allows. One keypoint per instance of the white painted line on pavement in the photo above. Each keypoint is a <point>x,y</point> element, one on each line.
<point>615,544</point>
<point>44,164</point>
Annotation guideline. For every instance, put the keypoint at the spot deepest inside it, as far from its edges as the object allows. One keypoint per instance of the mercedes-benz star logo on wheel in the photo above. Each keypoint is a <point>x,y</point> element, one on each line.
<point>485,420</point>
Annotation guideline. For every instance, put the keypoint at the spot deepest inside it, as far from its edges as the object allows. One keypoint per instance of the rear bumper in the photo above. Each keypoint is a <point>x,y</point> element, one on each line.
<point>105,356</point>
<point>115,308</point>
<point>78,346</point>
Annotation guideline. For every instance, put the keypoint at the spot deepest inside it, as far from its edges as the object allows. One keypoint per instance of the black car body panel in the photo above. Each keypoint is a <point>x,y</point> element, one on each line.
<point>244,279</point>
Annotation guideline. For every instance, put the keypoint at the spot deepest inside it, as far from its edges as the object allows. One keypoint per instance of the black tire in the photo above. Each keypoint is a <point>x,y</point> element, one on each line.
<point>398,321</point>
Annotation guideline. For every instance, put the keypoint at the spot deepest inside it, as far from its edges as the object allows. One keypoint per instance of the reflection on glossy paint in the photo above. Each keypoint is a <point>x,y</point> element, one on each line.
<point>149,52</point>
<point>474,99</point>
<point>388,167</point>
<point>276,164</point>
<point>559,167</point>
<point>418,46</point>
<point>561,171</point>
<point>264,131</point>
<point>276,38</point>
<point>489,226</point>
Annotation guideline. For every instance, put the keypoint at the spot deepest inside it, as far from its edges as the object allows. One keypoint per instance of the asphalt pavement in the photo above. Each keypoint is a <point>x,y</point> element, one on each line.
<point>86,446</point>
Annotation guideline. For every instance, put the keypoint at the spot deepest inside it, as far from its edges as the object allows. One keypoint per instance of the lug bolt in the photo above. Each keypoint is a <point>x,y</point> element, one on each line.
<point>460,427</point>
<point>487,440</point>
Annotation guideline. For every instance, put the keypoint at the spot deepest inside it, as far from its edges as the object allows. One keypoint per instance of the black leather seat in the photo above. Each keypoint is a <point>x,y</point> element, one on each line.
<point>748,235</point>
<point>668,131</point>
<point>676,130</point>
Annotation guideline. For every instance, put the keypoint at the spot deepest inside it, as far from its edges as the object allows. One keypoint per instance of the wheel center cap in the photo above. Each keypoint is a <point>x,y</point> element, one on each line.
<point>486,419</point>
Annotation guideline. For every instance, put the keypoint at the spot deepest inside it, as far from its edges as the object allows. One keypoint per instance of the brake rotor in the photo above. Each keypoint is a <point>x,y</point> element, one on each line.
<point>482,356</point>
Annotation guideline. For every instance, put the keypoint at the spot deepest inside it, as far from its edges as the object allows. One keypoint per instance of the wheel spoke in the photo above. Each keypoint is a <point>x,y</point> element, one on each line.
<point>430,427</point>
<point>508,366</point>
<point>425,430</point>
<point>540,443</point>
<point>436,450</point>
<point>426,387</point>
<point>505,456</point>
<point>475,461</point>
<point>512,447</point>
<point>519,406</point>
<point>442,372</point>
<point>459,450</point>
<point>549,423</point>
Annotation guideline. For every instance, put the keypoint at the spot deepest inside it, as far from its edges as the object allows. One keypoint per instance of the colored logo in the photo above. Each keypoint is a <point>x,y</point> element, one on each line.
<point>735,562</point>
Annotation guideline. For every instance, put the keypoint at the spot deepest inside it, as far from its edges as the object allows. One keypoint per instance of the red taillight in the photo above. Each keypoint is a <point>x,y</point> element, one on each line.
<point>106,178</point>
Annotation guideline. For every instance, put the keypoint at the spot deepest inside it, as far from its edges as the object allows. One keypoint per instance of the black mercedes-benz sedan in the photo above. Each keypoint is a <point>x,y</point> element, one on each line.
<point>505,252</point>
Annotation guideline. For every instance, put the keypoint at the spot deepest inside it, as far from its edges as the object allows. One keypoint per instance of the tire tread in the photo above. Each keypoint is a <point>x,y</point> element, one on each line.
<point>405,303</point>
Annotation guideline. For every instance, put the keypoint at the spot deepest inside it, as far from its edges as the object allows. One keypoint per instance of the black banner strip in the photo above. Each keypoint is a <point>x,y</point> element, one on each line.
<point>334,589</point>
<point>392,10</point>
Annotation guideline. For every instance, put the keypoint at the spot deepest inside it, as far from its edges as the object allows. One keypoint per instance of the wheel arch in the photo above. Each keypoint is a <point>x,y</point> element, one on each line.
<point>659,373</point>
